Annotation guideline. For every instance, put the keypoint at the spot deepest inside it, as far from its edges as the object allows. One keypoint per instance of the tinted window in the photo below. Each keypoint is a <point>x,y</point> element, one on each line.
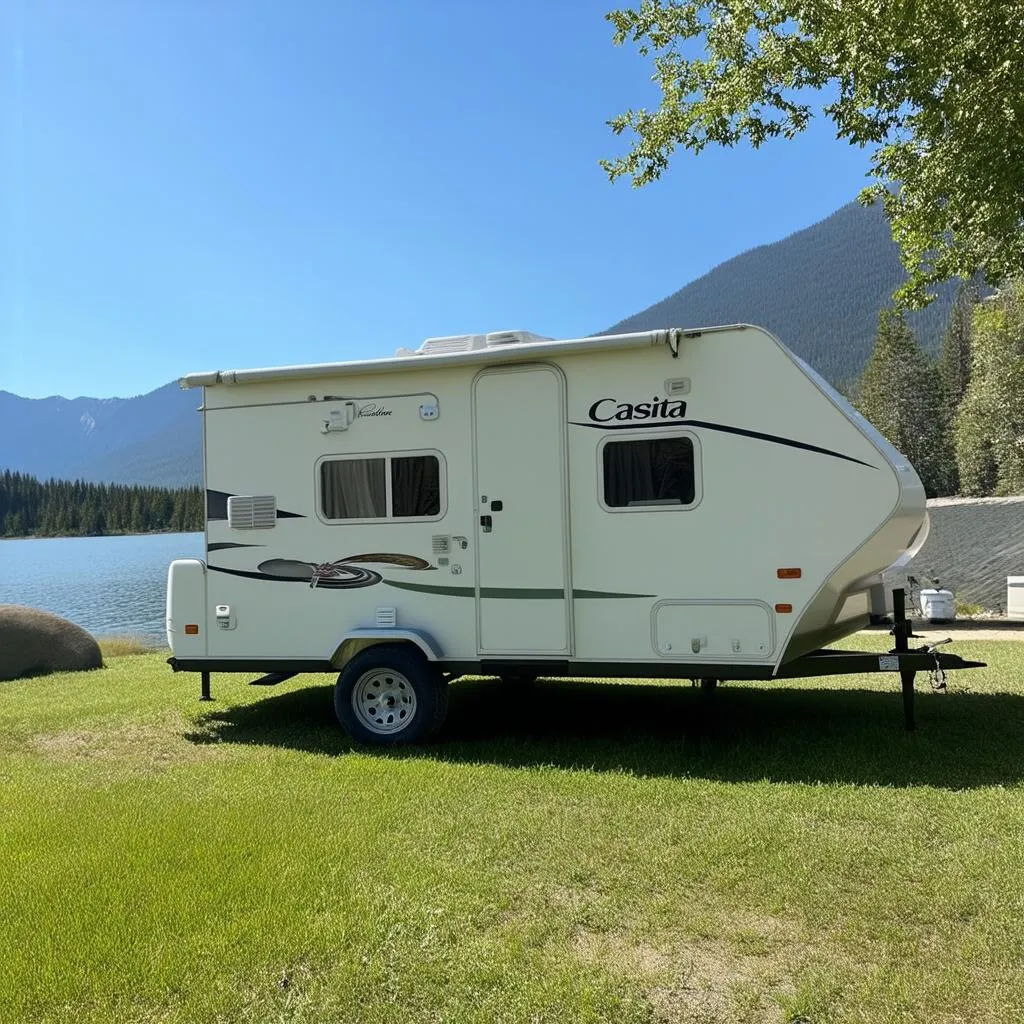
<point>659,471</point>
<point>415,486</point>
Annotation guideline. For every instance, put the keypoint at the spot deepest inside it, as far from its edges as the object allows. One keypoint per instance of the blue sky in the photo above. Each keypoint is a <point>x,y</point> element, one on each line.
<point>204,184</point>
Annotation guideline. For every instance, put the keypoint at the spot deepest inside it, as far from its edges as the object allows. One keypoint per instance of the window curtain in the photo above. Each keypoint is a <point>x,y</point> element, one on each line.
<point>415,486</point>
<point>657,470</point>
<point>353,489</point>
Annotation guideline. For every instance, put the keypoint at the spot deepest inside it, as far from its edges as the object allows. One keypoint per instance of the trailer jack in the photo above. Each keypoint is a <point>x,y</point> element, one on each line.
<point>273,678</point>
<point>270,679</point>
<point>902,630</point>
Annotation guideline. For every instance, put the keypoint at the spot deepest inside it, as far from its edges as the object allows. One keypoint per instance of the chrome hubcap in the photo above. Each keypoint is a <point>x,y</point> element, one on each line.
<point>383,700</point>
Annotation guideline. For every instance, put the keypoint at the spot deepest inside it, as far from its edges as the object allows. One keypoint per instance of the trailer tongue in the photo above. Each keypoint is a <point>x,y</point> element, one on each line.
<point>900,659</point>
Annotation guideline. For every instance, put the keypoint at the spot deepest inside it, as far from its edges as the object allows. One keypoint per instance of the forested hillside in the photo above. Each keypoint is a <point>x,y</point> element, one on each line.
<point>64,508</point>
<point>820,291</point>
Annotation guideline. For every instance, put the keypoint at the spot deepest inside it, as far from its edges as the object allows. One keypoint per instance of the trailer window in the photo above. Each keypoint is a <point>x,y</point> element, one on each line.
<point>381,487</point>
<point>353,489</point>
<point>415,486</point>
<point>649,472</point>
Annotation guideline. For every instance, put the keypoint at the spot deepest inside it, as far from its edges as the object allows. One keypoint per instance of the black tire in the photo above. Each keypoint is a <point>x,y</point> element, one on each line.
<point>390,694</point>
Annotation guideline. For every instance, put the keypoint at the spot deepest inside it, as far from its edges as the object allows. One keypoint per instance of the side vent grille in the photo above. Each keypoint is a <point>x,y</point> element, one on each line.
<point>252,512</point>
<point>440,544</point>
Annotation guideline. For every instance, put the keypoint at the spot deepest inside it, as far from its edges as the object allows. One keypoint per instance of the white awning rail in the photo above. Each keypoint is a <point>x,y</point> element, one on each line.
<point>500,346</point>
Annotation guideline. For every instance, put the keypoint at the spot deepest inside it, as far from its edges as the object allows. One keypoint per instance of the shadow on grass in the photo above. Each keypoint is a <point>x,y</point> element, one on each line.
<point>737,734</point>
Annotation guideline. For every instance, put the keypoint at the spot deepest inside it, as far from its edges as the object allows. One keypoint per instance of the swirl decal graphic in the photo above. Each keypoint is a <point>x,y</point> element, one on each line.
<point>340,574</point>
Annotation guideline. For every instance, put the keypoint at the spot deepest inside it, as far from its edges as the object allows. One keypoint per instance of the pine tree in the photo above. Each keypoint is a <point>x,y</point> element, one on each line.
<point>989,429</point>
<point>135,521</point>
<point>955,354</point>
<point>955,360</point>
<point>900,393</point>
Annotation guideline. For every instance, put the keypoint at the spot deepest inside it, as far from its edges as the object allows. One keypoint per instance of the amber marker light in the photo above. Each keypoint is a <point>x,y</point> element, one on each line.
<point>783,609</point>
<point>789,574</point>
<point>192,629</point>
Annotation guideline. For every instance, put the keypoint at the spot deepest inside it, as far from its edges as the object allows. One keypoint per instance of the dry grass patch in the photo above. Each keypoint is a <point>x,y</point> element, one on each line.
<point>742,978</point>
<point>120,646</point>
<point>133,747</point>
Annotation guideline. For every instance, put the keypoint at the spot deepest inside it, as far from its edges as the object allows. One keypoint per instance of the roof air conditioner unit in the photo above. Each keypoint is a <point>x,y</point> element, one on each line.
<point>513,338</point>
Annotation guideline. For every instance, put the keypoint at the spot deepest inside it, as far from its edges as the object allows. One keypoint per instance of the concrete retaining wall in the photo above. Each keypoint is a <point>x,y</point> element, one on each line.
<point>974,544</point>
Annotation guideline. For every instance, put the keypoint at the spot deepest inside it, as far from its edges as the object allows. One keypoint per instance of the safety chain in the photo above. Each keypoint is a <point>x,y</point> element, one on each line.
<point>937,674</point>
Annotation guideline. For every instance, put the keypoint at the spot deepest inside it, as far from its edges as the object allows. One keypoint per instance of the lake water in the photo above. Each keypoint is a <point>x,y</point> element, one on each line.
<point>108,585</point>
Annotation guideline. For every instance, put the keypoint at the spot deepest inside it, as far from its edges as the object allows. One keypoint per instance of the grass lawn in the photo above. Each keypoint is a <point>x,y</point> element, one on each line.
<point>580,852</point>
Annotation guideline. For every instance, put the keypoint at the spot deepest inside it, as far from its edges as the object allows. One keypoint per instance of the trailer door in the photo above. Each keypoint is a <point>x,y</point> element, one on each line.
<point>519,452</point>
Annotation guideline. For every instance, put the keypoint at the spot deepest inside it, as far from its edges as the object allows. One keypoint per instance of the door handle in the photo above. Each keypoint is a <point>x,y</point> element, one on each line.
<point>485,522</point>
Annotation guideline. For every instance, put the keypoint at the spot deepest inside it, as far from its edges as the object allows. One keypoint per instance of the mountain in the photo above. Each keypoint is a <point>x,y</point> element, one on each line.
<point>150,439</point>
<point>819,291</point>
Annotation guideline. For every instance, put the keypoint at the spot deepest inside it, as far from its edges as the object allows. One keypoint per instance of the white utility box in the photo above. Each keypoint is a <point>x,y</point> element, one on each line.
<point>938,605</point>
<point>1015,597</point>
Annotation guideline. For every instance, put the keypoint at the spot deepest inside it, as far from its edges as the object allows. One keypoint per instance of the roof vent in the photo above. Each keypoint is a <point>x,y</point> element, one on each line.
<point>453,343</point>
<point>470,342</point>
<point>513,338</point>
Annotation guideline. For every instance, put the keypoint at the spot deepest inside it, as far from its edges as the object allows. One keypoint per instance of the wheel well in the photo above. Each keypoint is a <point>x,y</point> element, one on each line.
<point>353,645</point>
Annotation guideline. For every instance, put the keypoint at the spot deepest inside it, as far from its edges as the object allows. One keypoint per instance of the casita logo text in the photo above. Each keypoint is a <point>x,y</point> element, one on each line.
<point>609,410</point>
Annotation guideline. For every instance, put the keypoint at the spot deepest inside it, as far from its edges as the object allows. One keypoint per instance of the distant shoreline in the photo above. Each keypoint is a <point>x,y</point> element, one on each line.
<point>96,536</point>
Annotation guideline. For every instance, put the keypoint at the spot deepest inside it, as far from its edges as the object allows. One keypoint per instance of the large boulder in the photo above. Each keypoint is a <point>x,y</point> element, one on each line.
<point>33,642</point>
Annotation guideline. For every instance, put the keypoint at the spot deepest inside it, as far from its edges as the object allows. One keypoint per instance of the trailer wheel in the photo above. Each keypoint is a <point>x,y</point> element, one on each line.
<point>390,694</point>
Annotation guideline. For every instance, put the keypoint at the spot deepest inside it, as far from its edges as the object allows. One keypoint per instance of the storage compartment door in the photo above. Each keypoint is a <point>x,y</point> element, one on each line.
<point>714,631</point>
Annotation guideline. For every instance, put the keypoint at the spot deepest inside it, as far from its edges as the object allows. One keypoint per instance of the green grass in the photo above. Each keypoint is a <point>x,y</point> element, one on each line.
<point>128,643</point>
<point>965,610</point>
<point>578,852</point>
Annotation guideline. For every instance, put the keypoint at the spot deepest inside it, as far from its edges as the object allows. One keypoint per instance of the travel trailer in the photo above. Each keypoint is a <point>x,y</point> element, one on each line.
<point>696,504</point>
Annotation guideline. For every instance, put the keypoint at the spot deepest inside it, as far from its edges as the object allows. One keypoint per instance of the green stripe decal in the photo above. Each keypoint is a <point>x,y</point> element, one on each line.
<point>427,588</point>
<point>508,593</point>
<point>523,593</point>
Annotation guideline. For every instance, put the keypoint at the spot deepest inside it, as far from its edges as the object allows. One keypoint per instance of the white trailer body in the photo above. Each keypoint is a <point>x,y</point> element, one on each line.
<point>679,503</point>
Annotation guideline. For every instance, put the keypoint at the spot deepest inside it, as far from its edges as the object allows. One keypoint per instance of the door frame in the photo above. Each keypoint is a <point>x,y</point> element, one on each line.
<point>563,442</point>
